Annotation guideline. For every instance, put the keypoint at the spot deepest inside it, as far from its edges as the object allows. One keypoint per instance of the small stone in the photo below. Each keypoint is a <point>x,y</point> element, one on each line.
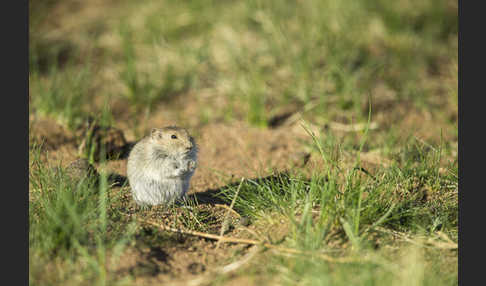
<point>80,169</point>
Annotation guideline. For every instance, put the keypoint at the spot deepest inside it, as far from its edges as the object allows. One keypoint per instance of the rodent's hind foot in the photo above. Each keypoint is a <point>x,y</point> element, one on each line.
<point>185,202</point>
<point>144,207</point>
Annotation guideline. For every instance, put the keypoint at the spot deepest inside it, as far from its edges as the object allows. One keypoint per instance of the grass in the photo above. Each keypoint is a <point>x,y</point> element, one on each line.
<point>393,64</point>
<point>143,92</point>
<point>411,198</point>
<point>72,227</point>
<point>271,55</point>
<point>63,96</point>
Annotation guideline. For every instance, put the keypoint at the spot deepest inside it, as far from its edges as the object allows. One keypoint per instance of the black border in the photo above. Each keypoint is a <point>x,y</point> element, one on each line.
<point>15,146</point>
<point>471,89</point>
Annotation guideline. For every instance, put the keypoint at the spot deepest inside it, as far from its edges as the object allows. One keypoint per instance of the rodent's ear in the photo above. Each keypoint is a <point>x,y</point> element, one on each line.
<point>155,133</point>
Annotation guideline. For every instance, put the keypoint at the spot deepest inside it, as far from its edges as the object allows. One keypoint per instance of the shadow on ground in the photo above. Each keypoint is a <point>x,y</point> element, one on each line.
<point>211,196</point>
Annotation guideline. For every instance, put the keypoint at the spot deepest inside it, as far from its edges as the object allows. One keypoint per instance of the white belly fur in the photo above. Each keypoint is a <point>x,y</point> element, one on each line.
<point>161,191</point>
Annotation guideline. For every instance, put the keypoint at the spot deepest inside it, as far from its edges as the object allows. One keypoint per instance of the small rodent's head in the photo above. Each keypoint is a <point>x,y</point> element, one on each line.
<point>173,140</point>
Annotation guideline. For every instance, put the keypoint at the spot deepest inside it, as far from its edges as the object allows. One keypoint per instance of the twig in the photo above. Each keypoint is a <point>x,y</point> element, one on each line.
<point>226,269</point>
<point>201,234</point>
<point>352,127</point>
<point>225,220</point>
<point>228,208</point>
<point>298,115</point>
<point>237,264</point>
<point>429,242</point>
<point>250,231</point>
<point>256,242</point>
<point>449,244</point>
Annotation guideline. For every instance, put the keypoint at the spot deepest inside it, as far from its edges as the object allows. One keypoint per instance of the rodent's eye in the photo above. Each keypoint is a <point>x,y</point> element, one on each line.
<point>173,136</point>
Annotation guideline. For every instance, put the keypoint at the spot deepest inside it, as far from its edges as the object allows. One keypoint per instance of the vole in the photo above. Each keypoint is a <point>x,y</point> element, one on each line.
<point>161,165</point>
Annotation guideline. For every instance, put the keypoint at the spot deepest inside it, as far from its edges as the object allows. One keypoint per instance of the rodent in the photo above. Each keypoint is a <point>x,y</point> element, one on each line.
<point>161,165</point>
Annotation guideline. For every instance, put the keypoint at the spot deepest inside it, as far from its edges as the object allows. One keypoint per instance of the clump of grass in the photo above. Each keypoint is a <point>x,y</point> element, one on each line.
<point>74,233</point>
<point>424,189</point>
<point>338,211</point>
<point>98,133</point>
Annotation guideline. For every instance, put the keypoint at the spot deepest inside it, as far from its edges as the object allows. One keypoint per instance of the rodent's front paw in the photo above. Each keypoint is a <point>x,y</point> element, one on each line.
<point>191,165</point>
<point>177,170</point>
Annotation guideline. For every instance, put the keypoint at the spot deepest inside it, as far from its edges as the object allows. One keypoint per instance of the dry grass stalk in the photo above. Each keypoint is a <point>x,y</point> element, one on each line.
<point>447,243</point>
<point>225,269</point>
<point>352,127</point>
<point>228,208</point>
<point>224,225</point>
<point>256,242</point>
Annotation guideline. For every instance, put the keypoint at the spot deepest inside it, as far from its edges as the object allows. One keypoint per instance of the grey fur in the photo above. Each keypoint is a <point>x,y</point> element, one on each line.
<point>159,168</point>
